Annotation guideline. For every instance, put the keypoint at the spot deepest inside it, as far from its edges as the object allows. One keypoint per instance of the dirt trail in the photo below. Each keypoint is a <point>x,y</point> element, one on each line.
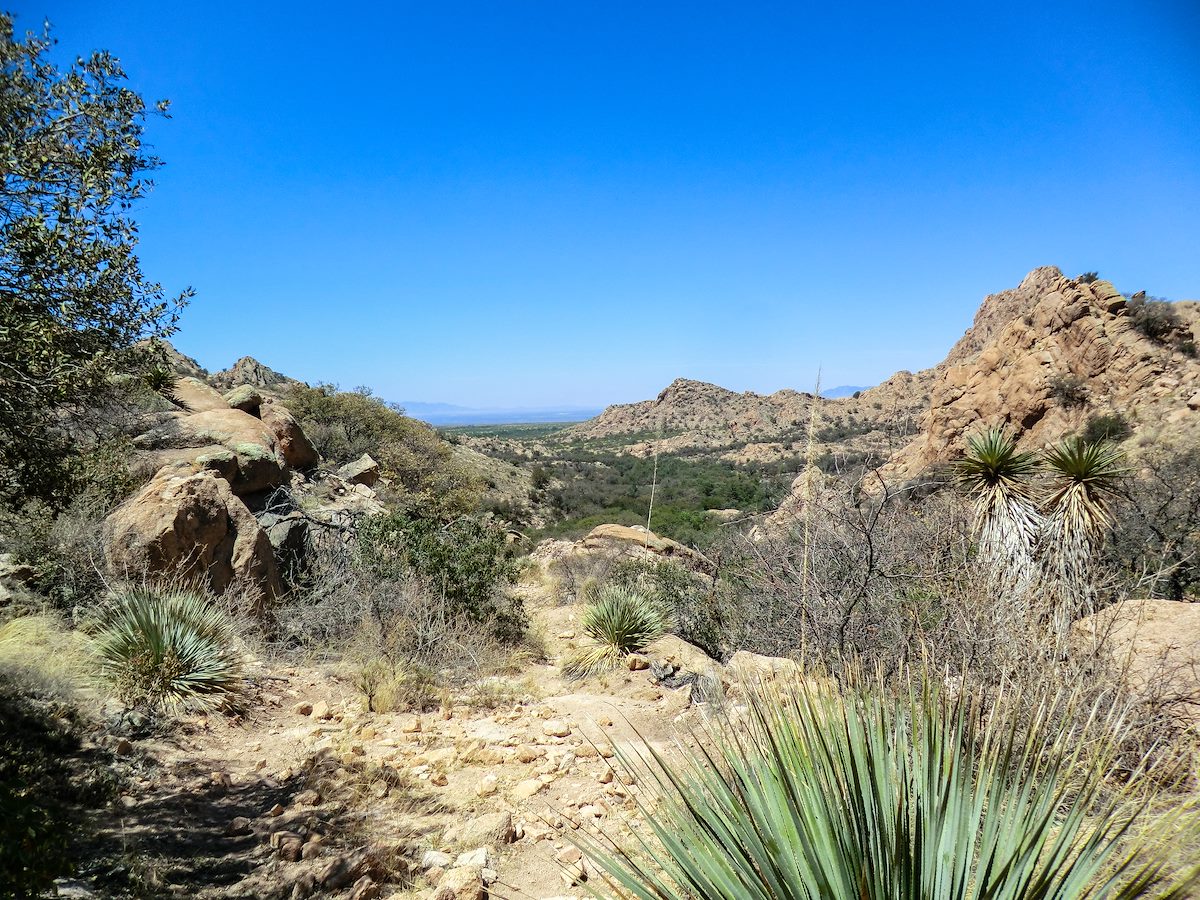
<point>309,795</point>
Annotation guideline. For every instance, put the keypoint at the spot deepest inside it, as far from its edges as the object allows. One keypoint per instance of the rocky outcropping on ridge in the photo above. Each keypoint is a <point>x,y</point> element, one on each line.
<point>1027,343</point>
<point>249,370</point>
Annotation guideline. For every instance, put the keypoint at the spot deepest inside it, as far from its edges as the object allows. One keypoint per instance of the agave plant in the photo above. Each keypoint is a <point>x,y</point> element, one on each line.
<point>620,621</point>
<point>163,382</point>
<point>1007,520</point>
<point>874,797</point>
<point>168,649</point>
<point>1085,475</point>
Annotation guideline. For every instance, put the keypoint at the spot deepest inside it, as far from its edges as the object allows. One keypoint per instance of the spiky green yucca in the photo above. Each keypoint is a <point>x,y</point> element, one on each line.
<point>1085,475</point>
<point>620,621</point>
<point>168,649</point>
<point>821,797</point>
<point>1007,519</point>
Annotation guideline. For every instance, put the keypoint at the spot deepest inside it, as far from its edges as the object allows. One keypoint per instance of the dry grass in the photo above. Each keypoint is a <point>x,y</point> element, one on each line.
<point>42,652</point>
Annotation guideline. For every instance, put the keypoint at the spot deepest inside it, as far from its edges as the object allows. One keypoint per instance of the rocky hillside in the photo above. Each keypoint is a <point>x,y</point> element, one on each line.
<point>745,427</point>
<point>1052,353</point>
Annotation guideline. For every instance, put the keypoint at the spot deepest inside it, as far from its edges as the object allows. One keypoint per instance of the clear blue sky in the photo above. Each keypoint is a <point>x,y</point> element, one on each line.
<point>568,203</point>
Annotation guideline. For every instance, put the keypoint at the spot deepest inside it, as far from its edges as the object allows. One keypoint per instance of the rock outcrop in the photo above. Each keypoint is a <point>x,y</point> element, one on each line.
<point>1156,644</point>
<point>1043,357</point>
<point>248,370</point>
<point>294,446</point>
<point>624,540</point>
<point>191,523</point>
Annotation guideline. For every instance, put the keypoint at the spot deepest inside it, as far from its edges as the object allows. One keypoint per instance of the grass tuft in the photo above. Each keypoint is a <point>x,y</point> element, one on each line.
<point>168,649</point>
<point>620,621</point>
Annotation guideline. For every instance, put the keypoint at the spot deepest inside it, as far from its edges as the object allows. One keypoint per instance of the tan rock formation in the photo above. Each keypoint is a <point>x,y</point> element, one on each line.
<point>189,436</point>
<point>191,523</point>
<point>1024,341</point>
<point>294,446</point>
<point>639,540</point>
<point>196,396</point>
<point>248,370</point>
<point>1156,643</point>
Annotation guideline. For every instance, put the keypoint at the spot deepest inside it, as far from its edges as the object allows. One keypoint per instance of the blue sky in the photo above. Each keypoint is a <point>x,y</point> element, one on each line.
<point>546,204</point>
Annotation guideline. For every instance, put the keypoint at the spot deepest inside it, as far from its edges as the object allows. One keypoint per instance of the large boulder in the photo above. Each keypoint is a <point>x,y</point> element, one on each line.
<point>189,436</point>
<point>637,541</point>
<point>191,524</point>
<point>1155,644</point>
<point>196,396</point>
<point>294,446</point>
<point>364,470</point>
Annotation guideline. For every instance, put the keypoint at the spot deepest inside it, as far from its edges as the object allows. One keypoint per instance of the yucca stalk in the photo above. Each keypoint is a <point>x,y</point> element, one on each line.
<point>168,649</point>
<point>871,797</point>
<point>620,621</point>
<point>1007,520</point>
<point>1084,476</point>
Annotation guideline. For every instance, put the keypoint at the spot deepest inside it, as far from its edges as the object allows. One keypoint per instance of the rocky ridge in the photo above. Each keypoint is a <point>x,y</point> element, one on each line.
<point>1044,357</point>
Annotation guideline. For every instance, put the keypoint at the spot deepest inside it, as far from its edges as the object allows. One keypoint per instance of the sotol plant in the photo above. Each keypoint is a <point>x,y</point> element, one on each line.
<point>168,649</point>
<point>1007,519</point>
<point>874,797</point>
<point>1084,475</point>
<point>619,622</point>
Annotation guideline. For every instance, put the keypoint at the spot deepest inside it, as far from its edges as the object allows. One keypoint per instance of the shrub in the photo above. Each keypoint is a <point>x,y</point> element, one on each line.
<point>873,797</point>
<point>425,476</point>
<point>1088,277</point>
<point>37,791</point>
<point>467,561</point>
<point>65,549</point>
<point>1107,427</point>
<point>620,621</point>
<point>1156,319</point>
<point>689,599</point>
<point>168,649</point>
<point>1068,390</point>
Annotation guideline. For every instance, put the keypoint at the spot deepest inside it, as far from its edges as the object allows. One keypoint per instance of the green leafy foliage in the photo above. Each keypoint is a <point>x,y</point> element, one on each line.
<point>74,303</point>
<point>1107,427</point>
<point>425,476</point>
<point>467,561</point>
<point>618,622</point>
<point>1068,390</point>
<point>875,797</point>
<point>599,488</point>
<point>1156,319</point>
<point>168,649</point>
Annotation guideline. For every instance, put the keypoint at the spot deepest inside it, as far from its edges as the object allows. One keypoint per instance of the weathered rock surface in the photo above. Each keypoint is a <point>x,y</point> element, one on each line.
<point>638,540</point>
<point>192,523</point>
<point>1024,341</point>
<point>248,370</point>
<point>364,470</point>
<point>1156,643</point>
<point>189,436</point>
<point>196,396</point>
<point>295,447</point>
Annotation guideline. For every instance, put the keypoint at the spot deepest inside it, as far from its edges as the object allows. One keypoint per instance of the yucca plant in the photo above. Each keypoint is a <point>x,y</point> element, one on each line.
<point>163,382</point>
<point>874,797</point>
<point>1084,476</point>
<point>618,622</point>
<point>168,649</point>
<point>1007,520</point>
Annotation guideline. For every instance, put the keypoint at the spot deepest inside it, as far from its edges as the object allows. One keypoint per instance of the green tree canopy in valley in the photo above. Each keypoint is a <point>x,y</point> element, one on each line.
<point>75,307</point>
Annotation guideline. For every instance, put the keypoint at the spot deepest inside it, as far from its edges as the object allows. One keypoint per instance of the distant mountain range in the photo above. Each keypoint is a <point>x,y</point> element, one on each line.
<point>449,414</point>
<point>845,390</point>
